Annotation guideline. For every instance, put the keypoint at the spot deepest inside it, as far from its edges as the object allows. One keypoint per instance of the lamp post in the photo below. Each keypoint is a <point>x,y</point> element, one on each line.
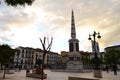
<point>97,71</point>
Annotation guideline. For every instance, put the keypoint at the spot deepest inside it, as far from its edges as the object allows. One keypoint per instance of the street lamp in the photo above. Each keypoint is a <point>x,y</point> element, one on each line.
<point>97,71</point>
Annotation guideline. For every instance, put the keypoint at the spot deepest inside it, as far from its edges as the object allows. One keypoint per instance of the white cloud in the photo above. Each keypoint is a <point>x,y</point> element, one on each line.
<point>22,26</point>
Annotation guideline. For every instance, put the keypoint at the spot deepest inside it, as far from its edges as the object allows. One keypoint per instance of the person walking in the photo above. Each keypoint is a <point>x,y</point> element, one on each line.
<point>107,68</point>
<point>19,67</point>
<point>115,69</point>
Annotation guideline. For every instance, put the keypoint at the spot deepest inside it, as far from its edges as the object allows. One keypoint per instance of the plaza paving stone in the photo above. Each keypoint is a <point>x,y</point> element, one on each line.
<point>21,75</point>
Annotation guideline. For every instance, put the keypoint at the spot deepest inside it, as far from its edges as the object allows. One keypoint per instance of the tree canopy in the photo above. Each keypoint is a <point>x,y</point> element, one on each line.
<point>96,61</point>
<point>85,59</point>
<point>6,54</point>
<point>19,2</point>
<point>38,61</point>
<point>112,57</point>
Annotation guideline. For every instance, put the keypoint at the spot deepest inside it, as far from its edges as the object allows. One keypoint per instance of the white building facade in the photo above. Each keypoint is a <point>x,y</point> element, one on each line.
<point>26,57</point>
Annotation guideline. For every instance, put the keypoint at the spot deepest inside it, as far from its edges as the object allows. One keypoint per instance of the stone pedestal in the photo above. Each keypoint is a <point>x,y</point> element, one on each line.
<point>98,73</point>
<point>72,65</point>
<point>79,78</point>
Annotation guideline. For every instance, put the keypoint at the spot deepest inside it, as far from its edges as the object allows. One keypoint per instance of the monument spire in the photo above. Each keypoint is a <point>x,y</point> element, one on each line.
<point>74,56</point>
<point>73,31</point>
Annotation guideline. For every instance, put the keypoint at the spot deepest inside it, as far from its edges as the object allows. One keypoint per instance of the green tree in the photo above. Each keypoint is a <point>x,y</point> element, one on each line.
<point>98,60</point>
<point>6,56</point>
<point>19,2</point>
<point>112,57</point>
<point>85,59</point>
<point>95,61</point>
<point>39,62</point>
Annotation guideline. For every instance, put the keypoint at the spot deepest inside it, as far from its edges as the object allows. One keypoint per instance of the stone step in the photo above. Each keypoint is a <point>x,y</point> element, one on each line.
<point>79,78</point>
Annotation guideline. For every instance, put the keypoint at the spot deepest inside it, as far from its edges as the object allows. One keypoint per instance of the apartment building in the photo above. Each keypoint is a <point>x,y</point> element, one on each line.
<point>25,57</point>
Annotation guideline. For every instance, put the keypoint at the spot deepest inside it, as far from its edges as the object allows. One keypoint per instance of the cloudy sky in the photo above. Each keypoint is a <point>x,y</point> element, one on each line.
<point>23,26</point>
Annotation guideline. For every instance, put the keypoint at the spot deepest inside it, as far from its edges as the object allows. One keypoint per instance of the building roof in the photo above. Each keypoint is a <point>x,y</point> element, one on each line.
<point>115,46</point>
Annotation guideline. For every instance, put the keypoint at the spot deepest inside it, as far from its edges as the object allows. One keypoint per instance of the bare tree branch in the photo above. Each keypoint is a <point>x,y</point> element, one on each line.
<point>45,43</point>
<point>42,44</point>
<point>49,46</point>
<point>45,51</point>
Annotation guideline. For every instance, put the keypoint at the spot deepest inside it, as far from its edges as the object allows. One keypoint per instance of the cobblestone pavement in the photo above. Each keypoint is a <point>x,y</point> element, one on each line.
<point>60,75</point>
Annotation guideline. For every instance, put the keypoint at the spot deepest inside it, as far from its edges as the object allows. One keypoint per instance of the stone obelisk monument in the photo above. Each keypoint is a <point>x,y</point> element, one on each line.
<point>74,61</point>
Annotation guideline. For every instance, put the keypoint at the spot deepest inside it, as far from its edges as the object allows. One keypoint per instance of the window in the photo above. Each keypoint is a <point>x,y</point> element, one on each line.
<point>23,51</point>
<point>77,47</point>
<point>71,58</point>
<point>78,58</point>
<point>21,61</point>
<point>70,46</point>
